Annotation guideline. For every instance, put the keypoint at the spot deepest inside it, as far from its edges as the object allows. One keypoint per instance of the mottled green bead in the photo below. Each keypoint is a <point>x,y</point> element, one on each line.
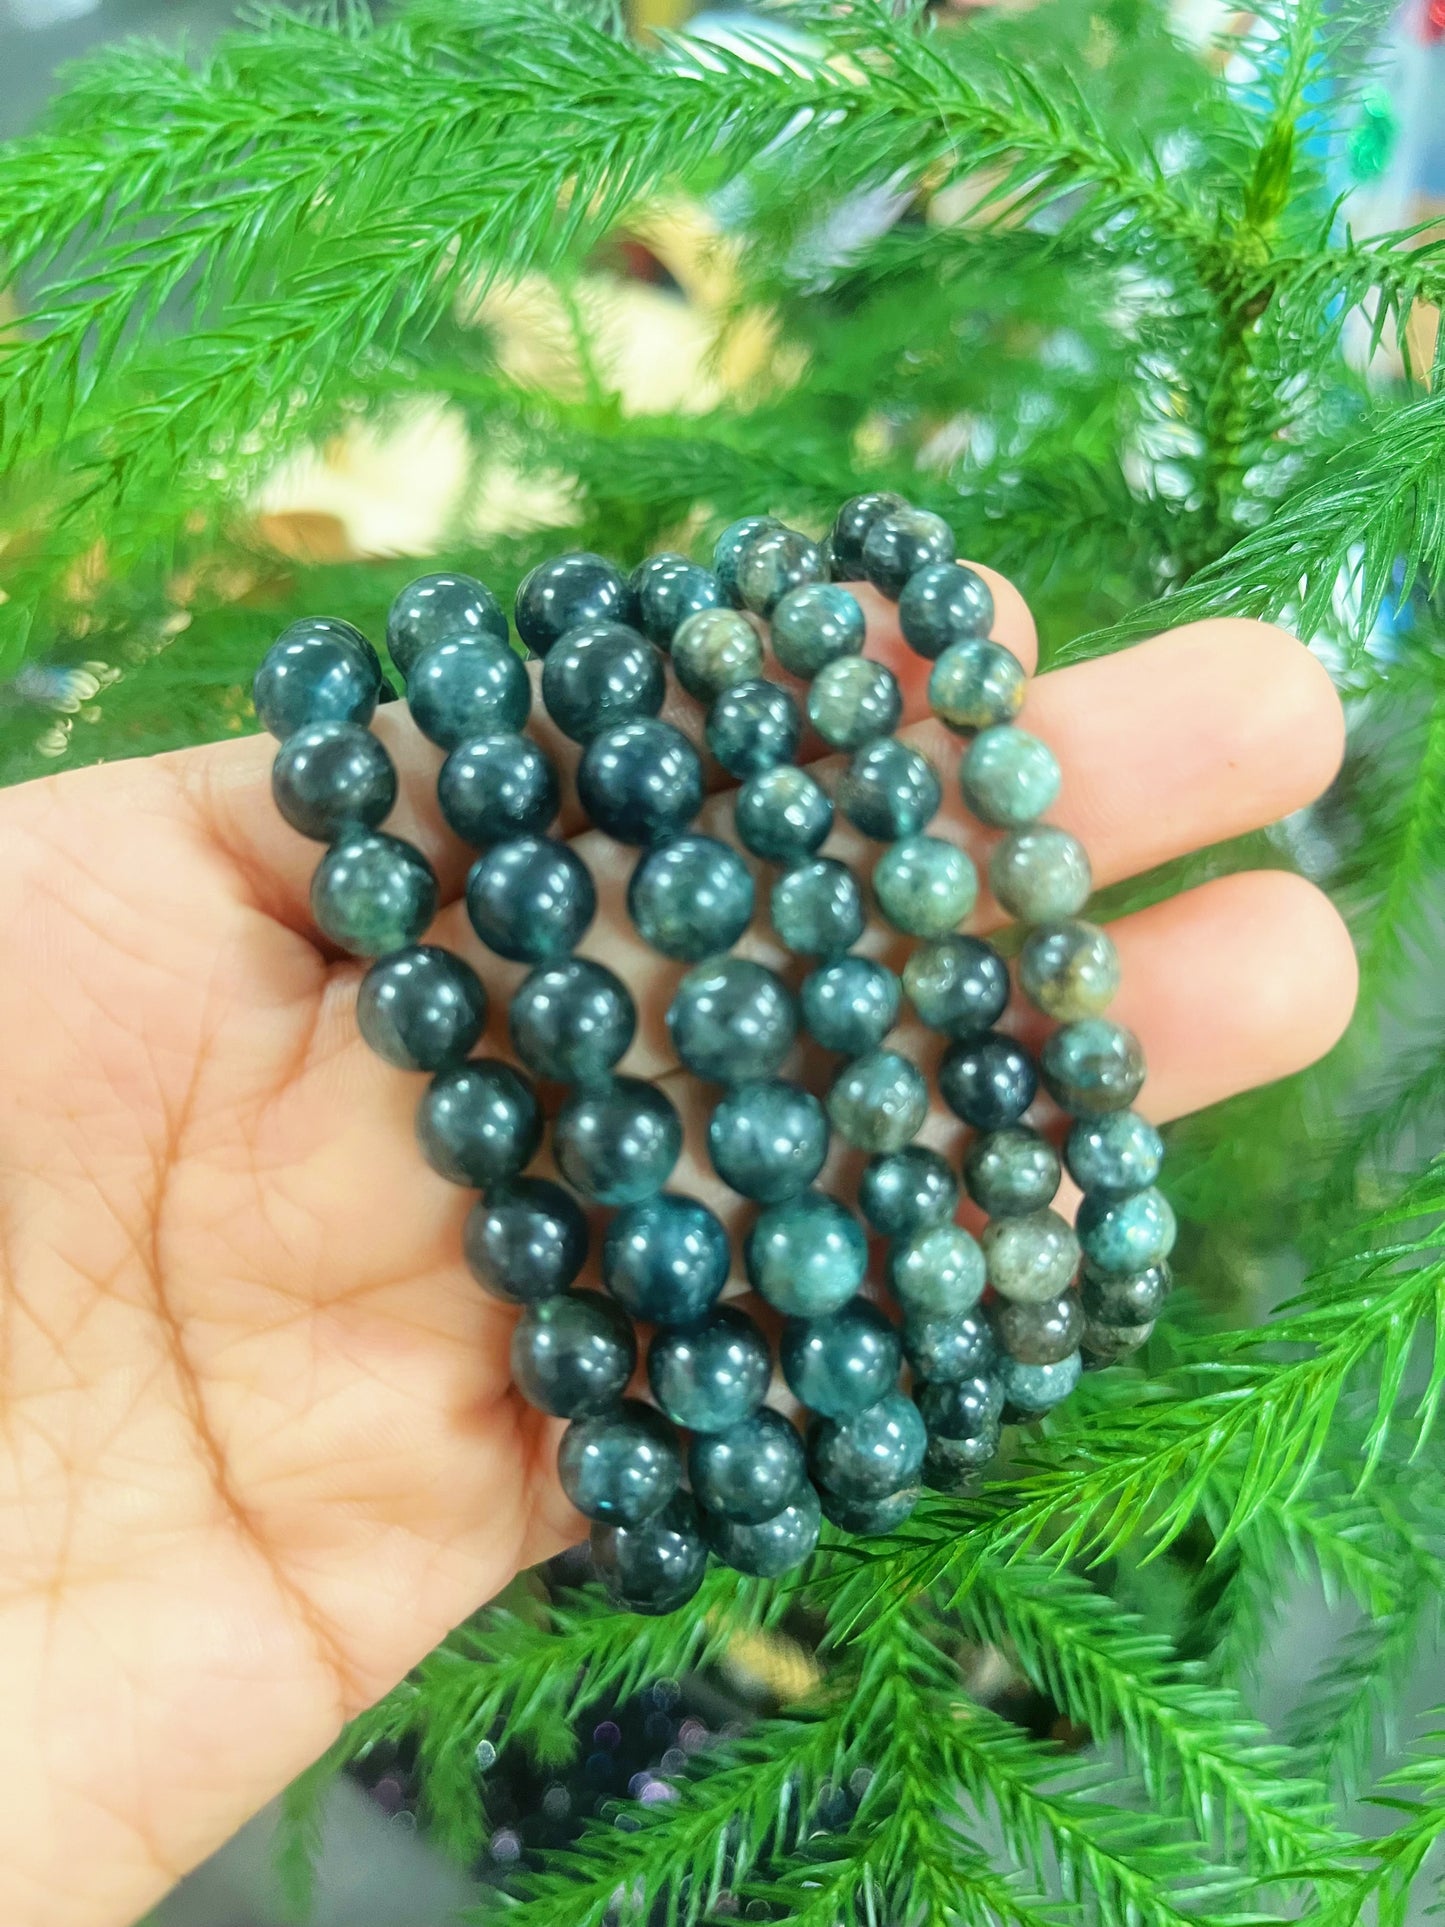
<point>691,898</point>
<point>875,1452</point>
<point>621,1465</point>
<point>1011,1172</point>
<point>945,603</point>
<point>617,1142</point>
<point>967,1408</point>
<point>783,815</point>
<point>768,1140</point>
<point>771,562</point>
<point>732,1021</point>
<point>976,685</point>
<point>656,1566</point>
<point>1092,1066</point>
<point>1032,1257</point>
<point>850,529</point>
<point>712,1375</point>
<point>958,985</point>
<point>1032,1389</point>
<point>946,1350</point>
<point>936,1273</point>
<point>1008,777</point>
<point>817,908</point>
<point>889,790</point>
<point>1133,1298</point>
<point>753,726</point>
<point>1123,1235</point>
<point>854,701</point>
<point>851,1004</point>
<point>730,545</point>
<point>714,649</point>
<point>841,1363</point>
<point>901,543</point>
<point>1041,875</point>
<point>955,1466</point>
<point>807,1255</point>
<point>751,1471</point>
<point>925,886</point>
<point>373,893</point>
<point>1116,1154</point>
<point>1107,1344</point>
<point>869,1518</point>
<point>815,625</point>
<point>1042,1333</point>
<point>1069,970</point>
<point>771,1547</point>
<point>879,1101</point>
<point>572,1355</point>
<point>901,1193</point>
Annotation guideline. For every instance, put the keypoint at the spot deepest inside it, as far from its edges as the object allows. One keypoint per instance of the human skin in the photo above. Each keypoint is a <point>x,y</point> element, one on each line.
<point>259,1447</point>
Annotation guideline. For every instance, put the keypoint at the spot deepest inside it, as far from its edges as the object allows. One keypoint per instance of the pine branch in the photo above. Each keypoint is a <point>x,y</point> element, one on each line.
<point>1383,1888</point>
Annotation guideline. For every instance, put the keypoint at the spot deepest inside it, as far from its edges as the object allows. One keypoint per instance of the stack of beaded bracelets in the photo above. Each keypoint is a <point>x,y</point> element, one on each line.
<point>993,1329</point>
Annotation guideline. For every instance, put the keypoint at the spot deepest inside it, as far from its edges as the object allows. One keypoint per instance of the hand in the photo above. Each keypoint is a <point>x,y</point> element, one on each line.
<point>260,1450</point>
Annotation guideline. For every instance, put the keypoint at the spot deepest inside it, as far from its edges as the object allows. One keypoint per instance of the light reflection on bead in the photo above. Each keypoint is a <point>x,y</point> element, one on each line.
<point>937,1273</point>
<point>771,1547</point>
<point>1034,1389</point>
<point>1032,1257</point>
<point>771,562</point>
<point>851,1004</point>
<point>768,1139</point>
<point>733,1021</point>
<point>1008,777</point>
<point>976,685</point>
<point>851,526</point>
<point>1116,1153</point>
<point>889,790</point>
<point>872,1454</point>
<point>1069,970</point>
<point>854,701</point>
<point>840,1363</point>
<point>782,815</point>
<point>714,650</point>
<point>945,603</point>
<point>815,625</point>
<point>925,886</point>
<point>901,1193</point>
<point>817,908</point>
<point>1092,1066</point>
<point>691,897</point>
<point>1039,1333</point>
<point>656,1566</point>
<point>879,1101</point>
<point>901,543</point>
<point>621,1465</point>
<point>807,1255</point>
<point>1041,875</point>
<point>1119,1236</point>
<point>1011,1171</point>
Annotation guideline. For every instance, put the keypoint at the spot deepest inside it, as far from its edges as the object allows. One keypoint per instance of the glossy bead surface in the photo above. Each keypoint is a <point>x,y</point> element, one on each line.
<point>730,545</point>
<point>712,1375</point>
<point>1030,1258</point>
<point>1133,1298</point>
<point>1115,1154</point>
<point>753,726</point>
<point>817,908</point>
<point>966,1408</point>
<point>944,603</point>
<point>854,701</point>
<point>771,562</point>
<point>851,1004</point>
<point>988,1081</point>
<point>869,1518</point>
<point>1040,1334</point>
<point>782,815</point>
<point>838,1364</point>
<point>565,593</point>
<point>441,607</point>
<point>601,675</point>
<point>715,650</point>
<point>691,897</point>
<point>421,1008</point>
<point>871,1454</point>
<point>571,1021</point>
<point>458,690</point>
<point>751,1471</point>
<point>851,525</point>
<point>925,886</point>
<point>807,1255</point>
<point>901,543</point>
<point>878,1101</point>
<point>937,1273</point>
<point>733,1021</point>
<point>656,1566</point>
<point>530,899</point>
<point>1011,1171</point>
<point>479,1122</point>
<point>572,1355</point>
<point>945,1350</point>
<point>1093,1066</point>
<point>815,625</point>
<point>976,685</point>
<point>889,790</point>
<point>669,591</point>
<point>1041,875</point>
<point>1123,1235</point>
<point>958,985</point>
<point>525,1239</point>
<point>1008,778</point>
<point>768,1140</point>
<point>319,670</point>
<point>665,1259</point>
<point>622,1465</point>
<point>955,1466</point>
<point>772,1546</point>
<point>901,1193</point>
<point>1108,1344</point>
<point>617,1142</point>
<point>373,893</point>
<point>496,787</point>
<point>640,782</point>
<point>331,777</point>
<point>1069,970</point>
<point>1038,1388</point>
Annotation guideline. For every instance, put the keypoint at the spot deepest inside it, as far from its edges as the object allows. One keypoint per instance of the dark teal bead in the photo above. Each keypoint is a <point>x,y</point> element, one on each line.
<point>565,593</point>
<point>958,985</point>
<point>1041,874</point>
<point>807,1255</point>
<point>1092,1066</point>
<point>617,1142</point>
<point>1008,778</point>
<point>901,543</point>
<point>441,608</point>
<point>906,1190</point>
<point>889,790</point>
<point>753,726</point>
<point>817,908</point>
<point>1030,1258</point>
<point>665,1259</point>
<point>751,1471</point>
<point>1033,1389</point>
<point>332,777</point>
<point>669,589</point>
<point>854,701</point>
<point>712,1375</point>
<point>963,1408</point>
<point>878,1101</point>
<point>838,1364</point>
<point>1069,970</point>
<point>851,527</point>
<point>622,1466</point>
<point>458,690</point>
<point>1130,1298</point>
<point>733,1021</point>
<point>601,675</point>
<point>525,1239</point>
<point>851,1004</point>
<point>768,1140</point>
<point>782,815</point>
<point>640,782</point>
<point>421,1008</point>
<point>815,625</point>
<point>946,1348</point>
<point>938,1272</point>
<point>925,886</point>
<point>530,899</point>
<point>373,893</point>
<point>571,1021</point>
<point>715,650</point>
<point>771,562</point>
<point>572,1355</point>
<point>1039,1334</point>
<point>479,1122</point>
<point>869,1518</point>
<point>730,545</point>
<point>1123,1235</point>
<point>771,1547</point>
<point>976,685</point>
<point>691,898</point>
<point>1109,1344</point>
<point>654,1567</point>
<point>942,604</point>
<point>1011,1171</point>
<point>496,787</point>
<point>955,1466</point>
<point>875,1452</point>
<point>1114,1154</point>
<point>988,1080</point>
<point>319,670</point>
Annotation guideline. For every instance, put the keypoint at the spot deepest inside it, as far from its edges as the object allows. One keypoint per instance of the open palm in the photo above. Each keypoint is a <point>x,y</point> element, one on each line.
<point>259,1447</point>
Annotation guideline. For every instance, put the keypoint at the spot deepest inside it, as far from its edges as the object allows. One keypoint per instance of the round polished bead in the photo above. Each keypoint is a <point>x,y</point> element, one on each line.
<point>733,1021</point>
<point>715,650</point>
<point>332,777</point>
<point>771,562</point>
<point>782,815</point>
<point>901,543</point>
<point>889,790</point>
<point>712,1375</point>
<point>958,985</point>
<point>1093,1066</point>
<point>955,1466</point>
<point>373,893</point>
<point>817,908</point>
<point>691,897</point>
<point>665,1259</point>
<point>976,685</point>
<point>496,787</point>
<point>1115,1154</point>
<point>1069,970</point>
<point>319,670</point>
<point>838,1364</point>
<point>669,589</point>
<point>772,1546</point>
<point>749,1472</point>
<point>421,1008</point>
<point>936,1273</point>
<point>601,675</point>
<point>768,1140</point>
<point>1108,1344</point>
<point>1132,1298</point>
<point>441,608</point>
<point>730,545</point>
<point>654,1567</point>
<point>851,1004</point>
<point>565,593</point>
<point>901,1193</point>
<point>854,701</point>
<point>617,1142</point>
<point>479,1122</point>
<point>1041,875</point>
<point>814,626</point>
<point>851,526</point>
<point>1123,1235</point>
<point>875,1452</point>
<point>621,1465</point>
<point>1040,1334</point>
<point>1008,777</point>
<point>1011,1171</point>
<point>944,603</point>
<point>1030,1258</point>
<point>458,690</point>
<point>925,886</point>
<point>526,1239</point>
<point>964,1408</point>
<point>946,1349</point>
<point>754,726</point>
<point>640,782</point>
<point>869,1518</point>
<point>530,899</point>
<point>572,1355</point>
<point>878,1101</point>
<point>807,1255</point>
<point>988,1080</point>
<point>570,1021</point>
<point>1032,1389</point>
